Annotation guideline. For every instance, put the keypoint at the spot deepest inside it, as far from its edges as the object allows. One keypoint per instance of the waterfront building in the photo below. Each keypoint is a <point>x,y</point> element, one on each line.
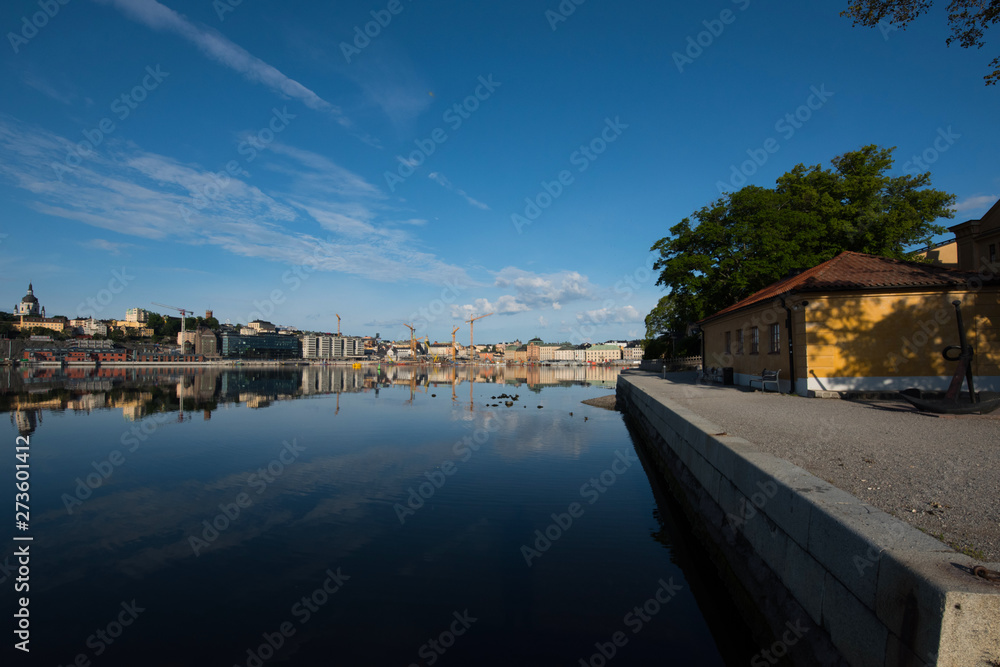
<point>599,354</point>
<point>260,346</point>
<point>332,347</point>
<point>859,322</point>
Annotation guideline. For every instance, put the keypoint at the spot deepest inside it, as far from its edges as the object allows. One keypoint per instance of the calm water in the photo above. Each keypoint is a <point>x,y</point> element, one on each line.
<point>329,516</point>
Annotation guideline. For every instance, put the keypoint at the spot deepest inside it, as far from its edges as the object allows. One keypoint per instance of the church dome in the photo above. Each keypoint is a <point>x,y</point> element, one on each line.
<point>30,296</point>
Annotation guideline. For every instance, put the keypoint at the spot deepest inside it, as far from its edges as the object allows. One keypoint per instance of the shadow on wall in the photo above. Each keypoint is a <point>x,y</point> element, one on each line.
<point>898,335</point>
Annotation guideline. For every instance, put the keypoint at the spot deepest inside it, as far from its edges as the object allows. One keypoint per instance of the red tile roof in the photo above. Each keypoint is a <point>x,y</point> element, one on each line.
<point>857,271</point>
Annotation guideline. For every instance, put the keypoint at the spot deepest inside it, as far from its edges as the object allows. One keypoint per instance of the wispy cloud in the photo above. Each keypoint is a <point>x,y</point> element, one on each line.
<point>976,203</point>
<point>330,219</point>
<point>109,246</point>
<point>443,181</point>
<point>214,45</point>
<point>45,88</point>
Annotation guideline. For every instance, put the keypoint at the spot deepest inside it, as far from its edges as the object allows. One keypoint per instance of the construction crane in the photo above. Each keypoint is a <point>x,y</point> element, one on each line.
<point>472,323</point>
<point>413,341</point>
<point>454,349</point>
<point>183,312</point>
<point>338,324</point>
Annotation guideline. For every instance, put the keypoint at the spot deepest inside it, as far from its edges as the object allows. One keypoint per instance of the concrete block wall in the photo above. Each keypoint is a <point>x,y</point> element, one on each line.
<point>885,593</point>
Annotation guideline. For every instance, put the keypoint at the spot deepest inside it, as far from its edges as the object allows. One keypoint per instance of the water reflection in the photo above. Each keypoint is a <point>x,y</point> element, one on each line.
<point>141,391</point>
<point>137,481</point>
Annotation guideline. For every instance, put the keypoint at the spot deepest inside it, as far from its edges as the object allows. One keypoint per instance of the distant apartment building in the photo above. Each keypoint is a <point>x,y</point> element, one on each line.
<point>601,353</point>
<point>137,315</point>
<point>633,353</point>
<point>332,347</point>
<point>88,326</point>
<point>186,337</point>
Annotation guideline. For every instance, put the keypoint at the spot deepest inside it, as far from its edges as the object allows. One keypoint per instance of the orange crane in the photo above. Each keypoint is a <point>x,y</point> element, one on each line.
<point>183,312</point>
<point>413,341</point>
<point>472,323</point>
<point>454,349</point>
<point>338,324</point>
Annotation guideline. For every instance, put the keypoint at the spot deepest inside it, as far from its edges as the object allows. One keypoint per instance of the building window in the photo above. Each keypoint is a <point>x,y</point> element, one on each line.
<point>729,342</point>
<point>993,253</point>
<point>754,340</point>
<point>775,339</point>
<point>739,342</point>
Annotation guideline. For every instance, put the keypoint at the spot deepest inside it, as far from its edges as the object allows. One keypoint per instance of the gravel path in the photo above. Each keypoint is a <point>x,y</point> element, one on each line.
<point>939,473</point>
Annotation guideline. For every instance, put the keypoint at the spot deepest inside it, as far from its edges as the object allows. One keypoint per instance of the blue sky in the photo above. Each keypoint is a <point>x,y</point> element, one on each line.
<point>265,160</point>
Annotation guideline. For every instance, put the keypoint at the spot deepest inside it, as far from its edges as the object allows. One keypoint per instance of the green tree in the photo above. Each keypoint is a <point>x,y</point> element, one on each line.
<point>751,238</point>
<point>155,322</point>
<point>661,318</point>
<point>968,20</point>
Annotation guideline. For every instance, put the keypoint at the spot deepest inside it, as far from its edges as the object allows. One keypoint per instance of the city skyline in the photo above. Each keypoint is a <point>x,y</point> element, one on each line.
<point>258,160</point>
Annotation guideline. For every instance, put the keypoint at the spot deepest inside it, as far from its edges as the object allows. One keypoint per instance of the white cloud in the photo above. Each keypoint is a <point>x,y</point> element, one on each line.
<point>623,315</point>
<point>975,203</point>
<point>545,290</point>
<point>159,17</point>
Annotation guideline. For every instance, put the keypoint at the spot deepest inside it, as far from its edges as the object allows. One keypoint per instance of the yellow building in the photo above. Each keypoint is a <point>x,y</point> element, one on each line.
<point>976,246</point>
<point>860,323</point>
<point>599,354</point>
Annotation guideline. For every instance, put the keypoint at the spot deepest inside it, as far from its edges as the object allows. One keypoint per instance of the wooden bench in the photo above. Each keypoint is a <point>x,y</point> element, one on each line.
<point>767,377</point>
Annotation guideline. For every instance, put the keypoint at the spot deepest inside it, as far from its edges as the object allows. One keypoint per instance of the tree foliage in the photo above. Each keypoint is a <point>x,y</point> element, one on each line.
<point>968,20</point>
<point>748,239</point>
